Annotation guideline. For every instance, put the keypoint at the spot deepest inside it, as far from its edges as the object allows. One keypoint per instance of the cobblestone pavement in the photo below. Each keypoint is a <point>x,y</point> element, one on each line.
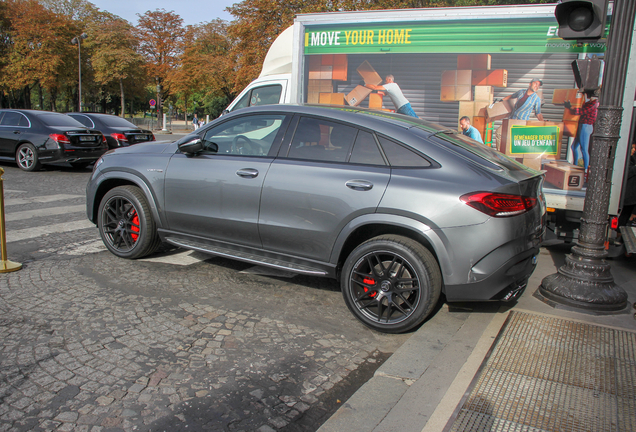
<point>90,342</point>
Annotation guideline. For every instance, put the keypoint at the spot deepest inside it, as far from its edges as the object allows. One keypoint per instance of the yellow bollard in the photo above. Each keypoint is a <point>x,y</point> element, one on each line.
<point>6,266</point>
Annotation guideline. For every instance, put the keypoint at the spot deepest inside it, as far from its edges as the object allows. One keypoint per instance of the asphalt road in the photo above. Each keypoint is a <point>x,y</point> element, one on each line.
<point>179,341</point>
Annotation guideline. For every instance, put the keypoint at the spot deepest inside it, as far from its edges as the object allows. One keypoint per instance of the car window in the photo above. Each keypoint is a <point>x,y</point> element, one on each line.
<point>116,122</point>
<point>250,135</point>
<point>265,95</point>
<point>55,119</point>
<point>321,140</point>
<point>400,156</point>
<point>83,120</point>
<point>11,118</point>
<point>366,151</point>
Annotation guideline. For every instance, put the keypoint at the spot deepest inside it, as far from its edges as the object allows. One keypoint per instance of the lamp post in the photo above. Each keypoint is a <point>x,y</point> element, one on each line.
<point>77,40</point>
<point>585,281</point>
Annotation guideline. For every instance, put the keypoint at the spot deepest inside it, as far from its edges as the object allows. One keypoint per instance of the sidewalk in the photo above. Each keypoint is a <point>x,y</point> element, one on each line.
<point>547,369</point>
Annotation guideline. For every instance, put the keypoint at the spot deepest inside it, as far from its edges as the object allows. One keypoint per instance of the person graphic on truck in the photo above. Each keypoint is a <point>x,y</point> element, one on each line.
<point>528,102</point>
<point>402,104</point>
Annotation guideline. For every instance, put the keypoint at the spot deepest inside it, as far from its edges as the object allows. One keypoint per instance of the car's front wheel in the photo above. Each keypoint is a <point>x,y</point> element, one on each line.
<point>125,223</point>
<point>27,157</point>
<point>391,283</point>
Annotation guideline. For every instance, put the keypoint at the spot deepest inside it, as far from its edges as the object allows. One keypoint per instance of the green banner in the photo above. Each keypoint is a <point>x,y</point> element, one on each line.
<point>534,140</point>
<point>537,35</point>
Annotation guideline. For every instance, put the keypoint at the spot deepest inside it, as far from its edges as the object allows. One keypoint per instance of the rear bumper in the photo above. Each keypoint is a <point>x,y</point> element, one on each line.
<point>505,284</point>
<point>71,155</point>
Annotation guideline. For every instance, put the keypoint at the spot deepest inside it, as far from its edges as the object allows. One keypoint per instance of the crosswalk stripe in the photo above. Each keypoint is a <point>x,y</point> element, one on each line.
<point>29,233</point>
<point>39,199</point>
<point>51,211</point>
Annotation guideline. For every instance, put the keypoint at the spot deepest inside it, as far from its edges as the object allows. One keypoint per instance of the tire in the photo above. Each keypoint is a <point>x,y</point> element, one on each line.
<point>27,157</point>
<point>80,165</point>
<point>391,283</point>
<point>125,223</point>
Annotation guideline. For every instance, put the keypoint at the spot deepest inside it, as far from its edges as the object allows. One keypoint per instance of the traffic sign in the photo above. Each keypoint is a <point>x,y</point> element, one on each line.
<point>153,102</point>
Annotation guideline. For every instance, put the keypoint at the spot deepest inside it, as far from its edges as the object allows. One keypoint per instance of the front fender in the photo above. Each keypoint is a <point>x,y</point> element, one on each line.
<point>105,180</point>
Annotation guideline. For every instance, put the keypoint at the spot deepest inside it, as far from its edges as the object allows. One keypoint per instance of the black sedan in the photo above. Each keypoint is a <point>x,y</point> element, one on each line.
<point>118,132</point>
<point>32,138</point>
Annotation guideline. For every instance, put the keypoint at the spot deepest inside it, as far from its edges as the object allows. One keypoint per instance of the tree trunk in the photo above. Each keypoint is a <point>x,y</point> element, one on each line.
<point>41,96</point>
<point>123,103</point>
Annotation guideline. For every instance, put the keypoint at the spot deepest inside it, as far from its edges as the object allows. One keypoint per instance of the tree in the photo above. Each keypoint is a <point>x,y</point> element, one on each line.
<point>39,50</point>
<point>207,66</point>
<point>115,56</point>
<point>161,36</point>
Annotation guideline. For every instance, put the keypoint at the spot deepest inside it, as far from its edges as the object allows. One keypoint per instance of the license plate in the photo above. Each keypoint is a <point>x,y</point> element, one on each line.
<point>142,137</point>
<point>86,138</point>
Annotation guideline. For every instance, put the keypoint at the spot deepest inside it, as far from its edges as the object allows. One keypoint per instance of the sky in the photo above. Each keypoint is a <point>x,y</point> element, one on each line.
<point>192,12</point>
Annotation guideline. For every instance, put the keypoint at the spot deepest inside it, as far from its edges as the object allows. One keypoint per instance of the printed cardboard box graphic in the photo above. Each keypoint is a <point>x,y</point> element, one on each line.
<point>357,95</point>
<point>369,74</point>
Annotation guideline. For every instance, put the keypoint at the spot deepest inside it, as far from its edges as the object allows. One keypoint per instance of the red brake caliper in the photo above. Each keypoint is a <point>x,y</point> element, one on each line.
<point>369,282</point>
<point>135,227</point>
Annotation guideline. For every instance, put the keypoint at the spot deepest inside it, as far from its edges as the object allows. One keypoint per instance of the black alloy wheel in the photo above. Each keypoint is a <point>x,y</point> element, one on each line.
<point>125,223</point>
<point>391,283</point>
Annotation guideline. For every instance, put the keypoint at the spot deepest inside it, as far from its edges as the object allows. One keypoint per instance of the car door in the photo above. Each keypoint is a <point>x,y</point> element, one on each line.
<point>216,193</point>
<point>13,127</point>
<point>320,185</point>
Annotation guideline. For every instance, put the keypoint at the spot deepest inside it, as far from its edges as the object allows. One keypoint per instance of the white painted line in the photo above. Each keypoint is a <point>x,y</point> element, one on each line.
<point>79,248</point>
<point>40,199</point>
<point>51,211</point>
<point>184,258</point>
<point>29,233</point>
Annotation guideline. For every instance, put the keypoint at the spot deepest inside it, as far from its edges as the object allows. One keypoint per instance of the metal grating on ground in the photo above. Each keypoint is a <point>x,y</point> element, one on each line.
<point>549,374</point>
<point>629,238</point>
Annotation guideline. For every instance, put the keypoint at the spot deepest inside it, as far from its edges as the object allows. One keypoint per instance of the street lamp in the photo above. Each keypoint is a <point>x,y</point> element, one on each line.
<point>77,40</point>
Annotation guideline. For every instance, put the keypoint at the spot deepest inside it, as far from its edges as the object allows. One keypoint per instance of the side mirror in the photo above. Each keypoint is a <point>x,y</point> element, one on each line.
<point>192,146</point>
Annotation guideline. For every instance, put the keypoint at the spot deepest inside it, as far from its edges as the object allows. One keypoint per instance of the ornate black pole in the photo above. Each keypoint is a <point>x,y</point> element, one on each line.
<point>585,280</point>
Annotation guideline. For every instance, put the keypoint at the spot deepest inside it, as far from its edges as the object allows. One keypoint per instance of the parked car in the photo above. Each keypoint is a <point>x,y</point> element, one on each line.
<point>118,131</point>
<point>399,209</point>
<point>33,138</point>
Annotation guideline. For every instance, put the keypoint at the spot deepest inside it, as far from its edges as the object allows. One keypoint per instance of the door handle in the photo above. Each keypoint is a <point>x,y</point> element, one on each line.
<point>247,173</point>
<point>359,185</point>
<point>17,132</point>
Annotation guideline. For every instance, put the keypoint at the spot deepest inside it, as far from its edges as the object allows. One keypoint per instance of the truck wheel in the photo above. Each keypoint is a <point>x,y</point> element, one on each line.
<point>27,157</point>
<point>391,283</point>
<point>125,223</point>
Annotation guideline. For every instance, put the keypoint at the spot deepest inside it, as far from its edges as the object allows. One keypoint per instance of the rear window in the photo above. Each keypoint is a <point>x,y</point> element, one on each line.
<point>117,122</point>
<point>477,152</point>
<point>54,119</point>
<point>11,118</point>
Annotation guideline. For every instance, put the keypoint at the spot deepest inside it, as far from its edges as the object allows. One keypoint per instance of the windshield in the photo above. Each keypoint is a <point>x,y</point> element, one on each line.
<point>55,119</point>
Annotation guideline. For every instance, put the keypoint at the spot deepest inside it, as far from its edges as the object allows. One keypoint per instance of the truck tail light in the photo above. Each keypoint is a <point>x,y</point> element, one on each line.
<point>498,204</point>
<point>614,222</point>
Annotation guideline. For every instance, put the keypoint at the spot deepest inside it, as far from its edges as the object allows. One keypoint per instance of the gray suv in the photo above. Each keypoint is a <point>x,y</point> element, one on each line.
<point>399,209</point>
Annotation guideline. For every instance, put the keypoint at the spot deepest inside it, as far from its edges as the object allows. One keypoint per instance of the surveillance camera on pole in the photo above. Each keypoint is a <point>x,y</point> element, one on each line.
<point>581,20</point>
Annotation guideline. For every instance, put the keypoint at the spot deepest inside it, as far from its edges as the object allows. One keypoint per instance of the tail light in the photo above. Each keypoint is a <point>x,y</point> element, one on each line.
<point>104,139</point>
<point>614,222</point>
<point>119,137</point>
<point>152,137</point>
<point>499,205</point>
<point>59,138</point>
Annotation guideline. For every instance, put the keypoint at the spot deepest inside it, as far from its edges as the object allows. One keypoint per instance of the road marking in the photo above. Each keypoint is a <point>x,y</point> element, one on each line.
<point>28,214</point>
<point>40,199</point>
<point>184,258</point>
<point>29,233</point>
<point>78,248</point>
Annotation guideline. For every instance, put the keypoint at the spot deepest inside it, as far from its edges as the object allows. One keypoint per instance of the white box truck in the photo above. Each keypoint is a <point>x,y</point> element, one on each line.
<point>451,62</point>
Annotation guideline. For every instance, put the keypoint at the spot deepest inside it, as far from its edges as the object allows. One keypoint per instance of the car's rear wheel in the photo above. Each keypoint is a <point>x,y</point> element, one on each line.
<point>27,157</point>
<point>125,223</point>
<point>391,283</point>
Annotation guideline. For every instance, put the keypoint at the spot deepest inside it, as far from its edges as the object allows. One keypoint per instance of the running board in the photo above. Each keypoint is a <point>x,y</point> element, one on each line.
<point>246,256</point>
